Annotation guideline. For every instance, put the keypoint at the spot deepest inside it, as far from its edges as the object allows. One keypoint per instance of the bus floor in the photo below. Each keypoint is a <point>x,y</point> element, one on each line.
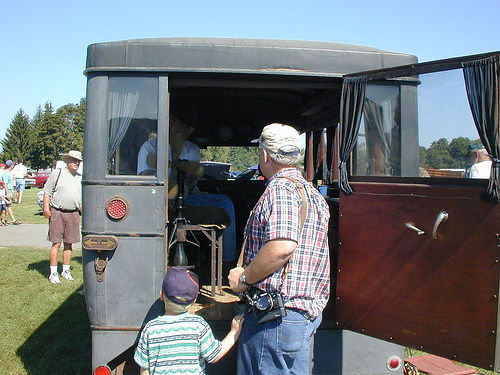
<point>219,307</point>
<point>222,306</point>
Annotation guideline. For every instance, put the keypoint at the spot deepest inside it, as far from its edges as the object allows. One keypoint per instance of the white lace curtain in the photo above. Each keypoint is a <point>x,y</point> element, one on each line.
<point>121,109</point>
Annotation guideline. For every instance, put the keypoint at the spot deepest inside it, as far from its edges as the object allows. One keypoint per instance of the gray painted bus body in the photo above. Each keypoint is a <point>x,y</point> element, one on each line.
<point>126,295</point>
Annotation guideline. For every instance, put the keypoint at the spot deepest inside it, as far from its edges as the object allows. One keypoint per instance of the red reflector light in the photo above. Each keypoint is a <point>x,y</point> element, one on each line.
<point>102,370</point>
<point>117,208</point>
<point>394,363</point>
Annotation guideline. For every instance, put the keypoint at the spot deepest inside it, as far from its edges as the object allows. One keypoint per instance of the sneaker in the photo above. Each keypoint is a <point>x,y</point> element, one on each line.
<point>54,278</point>
<point>16,222</point>
<point>67,275</point>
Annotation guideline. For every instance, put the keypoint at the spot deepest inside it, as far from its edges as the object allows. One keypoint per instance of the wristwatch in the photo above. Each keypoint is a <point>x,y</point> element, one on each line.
<point>243,279</point>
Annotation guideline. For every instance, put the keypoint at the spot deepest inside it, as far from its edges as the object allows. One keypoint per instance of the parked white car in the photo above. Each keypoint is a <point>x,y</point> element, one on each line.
<point>29,182</point>
<point>40,200</point>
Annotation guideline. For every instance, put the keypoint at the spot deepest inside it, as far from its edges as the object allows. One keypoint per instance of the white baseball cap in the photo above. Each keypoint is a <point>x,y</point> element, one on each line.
<point>73,154</point>
<point>280,139</point>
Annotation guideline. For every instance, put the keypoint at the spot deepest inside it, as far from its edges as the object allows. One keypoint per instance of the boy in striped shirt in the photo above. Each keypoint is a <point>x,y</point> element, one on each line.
<point>180,342</point>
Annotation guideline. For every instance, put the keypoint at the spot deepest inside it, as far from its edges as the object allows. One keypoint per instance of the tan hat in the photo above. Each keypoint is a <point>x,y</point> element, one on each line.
<point>72,154</point>
<point>280,139</point>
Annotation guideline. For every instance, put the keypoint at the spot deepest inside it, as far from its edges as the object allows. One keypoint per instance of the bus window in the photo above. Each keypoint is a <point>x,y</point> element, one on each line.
<point>132,120</point>
<point>448,143</point>
<point>379,140</point>
<point>447,132</point>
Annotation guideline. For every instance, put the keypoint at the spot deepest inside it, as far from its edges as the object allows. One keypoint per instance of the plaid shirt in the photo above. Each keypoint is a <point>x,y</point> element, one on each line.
<point>277,215</point>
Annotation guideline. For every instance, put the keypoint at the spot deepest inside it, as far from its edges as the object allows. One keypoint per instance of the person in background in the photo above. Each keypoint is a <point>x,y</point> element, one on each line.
<point>19,174</point>
<point>3,192</point>
<point>3,203</point>
<point>62,204</point>
<point>480,162</point>
<point>8,181</point>
<point>286,256</point>
<point>179,342</point>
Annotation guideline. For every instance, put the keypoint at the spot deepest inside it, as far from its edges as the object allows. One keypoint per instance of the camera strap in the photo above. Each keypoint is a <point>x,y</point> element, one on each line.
<point>303,214</point>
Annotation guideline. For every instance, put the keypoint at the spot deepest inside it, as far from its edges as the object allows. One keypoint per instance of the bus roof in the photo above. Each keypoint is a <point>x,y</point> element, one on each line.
<point>229,55</point>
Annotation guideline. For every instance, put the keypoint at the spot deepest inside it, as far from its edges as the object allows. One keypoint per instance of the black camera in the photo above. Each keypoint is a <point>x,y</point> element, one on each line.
<point>265,306</point>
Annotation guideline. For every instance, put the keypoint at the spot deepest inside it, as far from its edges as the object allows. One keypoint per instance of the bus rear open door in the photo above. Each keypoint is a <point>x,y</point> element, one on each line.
<point>418,260</point>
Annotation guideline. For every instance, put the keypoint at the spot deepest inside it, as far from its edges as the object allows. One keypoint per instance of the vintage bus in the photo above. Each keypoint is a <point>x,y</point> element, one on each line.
<point>415,257</point>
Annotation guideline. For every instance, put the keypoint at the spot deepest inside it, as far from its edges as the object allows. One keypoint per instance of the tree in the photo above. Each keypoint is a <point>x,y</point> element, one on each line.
<point>438,154</point>
<point>240,158</point>
<point>19,138</point>
<point>71,121</point>
<point>422,151</point>
<point>219,154</point>
<point>243,157</point>
<point>442,154</point>
<point>458,151</point>
<point>57,132</point>
<point>47,148</point>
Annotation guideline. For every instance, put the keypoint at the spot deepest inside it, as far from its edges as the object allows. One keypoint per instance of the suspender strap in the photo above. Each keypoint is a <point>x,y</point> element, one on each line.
<point>303,211</point>
<point>243,245</point>
<point>57,180</point>
<point>303,214</point>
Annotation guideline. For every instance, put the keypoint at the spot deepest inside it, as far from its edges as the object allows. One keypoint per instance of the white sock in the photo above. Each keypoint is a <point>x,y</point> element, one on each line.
<point>65,267</point>
<point>53,269</point>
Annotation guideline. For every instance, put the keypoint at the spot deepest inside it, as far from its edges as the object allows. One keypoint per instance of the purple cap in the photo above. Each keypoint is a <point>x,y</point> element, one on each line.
<point>180,286</point>
<point>9,162</point>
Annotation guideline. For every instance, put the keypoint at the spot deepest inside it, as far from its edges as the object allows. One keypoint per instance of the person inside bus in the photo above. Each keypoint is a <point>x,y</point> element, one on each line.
<point>200,207</point>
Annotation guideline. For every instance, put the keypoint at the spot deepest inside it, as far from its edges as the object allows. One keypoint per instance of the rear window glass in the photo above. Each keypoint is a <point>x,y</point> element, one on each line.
<point>448,143</point>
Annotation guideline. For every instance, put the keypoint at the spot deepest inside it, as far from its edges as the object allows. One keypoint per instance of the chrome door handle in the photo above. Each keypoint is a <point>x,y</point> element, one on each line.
<point>413,227</point>
<point>442,216</point>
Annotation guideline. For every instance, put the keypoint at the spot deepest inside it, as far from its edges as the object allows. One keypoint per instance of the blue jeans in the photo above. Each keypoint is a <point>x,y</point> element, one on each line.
<point>281,346</point>
<point>223,201</point>
<point>20,184</point>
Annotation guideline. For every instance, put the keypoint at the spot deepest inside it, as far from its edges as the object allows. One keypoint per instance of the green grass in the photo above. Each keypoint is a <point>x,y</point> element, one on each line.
<point>28,211</point>
<point>44,328</point>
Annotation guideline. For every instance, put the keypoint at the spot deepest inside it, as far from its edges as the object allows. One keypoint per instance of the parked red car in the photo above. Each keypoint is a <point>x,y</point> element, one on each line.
<point>40,179</point>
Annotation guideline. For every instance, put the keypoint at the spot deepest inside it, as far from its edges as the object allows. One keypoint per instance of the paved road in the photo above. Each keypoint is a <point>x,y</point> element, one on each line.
<point>32,235</point>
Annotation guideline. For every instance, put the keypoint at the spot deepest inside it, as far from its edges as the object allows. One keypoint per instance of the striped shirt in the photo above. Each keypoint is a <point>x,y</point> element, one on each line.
<point>277,215</point>
<point>176,344</point>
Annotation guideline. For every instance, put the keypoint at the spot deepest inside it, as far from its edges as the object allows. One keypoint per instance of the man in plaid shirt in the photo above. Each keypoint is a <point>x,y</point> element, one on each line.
<point>283,254</point>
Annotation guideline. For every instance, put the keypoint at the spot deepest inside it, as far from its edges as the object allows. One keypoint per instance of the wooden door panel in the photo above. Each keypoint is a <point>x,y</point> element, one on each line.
<point>439,295</point>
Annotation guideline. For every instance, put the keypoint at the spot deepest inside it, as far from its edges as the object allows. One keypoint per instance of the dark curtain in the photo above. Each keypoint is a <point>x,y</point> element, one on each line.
<point>482,84</point>
<point>351,108</point>
<point>332,149</point>
<point>309,162</point>
<point>321,159</point>
<point>315,156</point>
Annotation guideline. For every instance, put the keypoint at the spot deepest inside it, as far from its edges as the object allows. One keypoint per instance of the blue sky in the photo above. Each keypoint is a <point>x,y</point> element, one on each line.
<point>43,44</point>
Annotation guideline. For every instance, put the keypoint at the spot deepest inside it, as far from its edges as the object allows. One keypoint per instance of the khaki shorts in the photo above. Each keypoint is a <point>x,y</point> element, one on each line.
<point>64,227</point>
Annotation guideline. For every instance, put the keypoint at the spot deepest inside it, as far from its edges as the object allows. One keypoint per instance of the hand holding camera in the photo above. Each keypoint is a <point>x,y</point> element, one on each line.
<point>265,306</point>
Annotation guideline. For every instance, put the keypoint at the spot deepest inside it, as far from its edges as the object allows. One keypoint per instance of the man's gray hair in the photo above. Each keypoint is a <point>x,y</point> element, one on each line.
<point>290,160</point>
